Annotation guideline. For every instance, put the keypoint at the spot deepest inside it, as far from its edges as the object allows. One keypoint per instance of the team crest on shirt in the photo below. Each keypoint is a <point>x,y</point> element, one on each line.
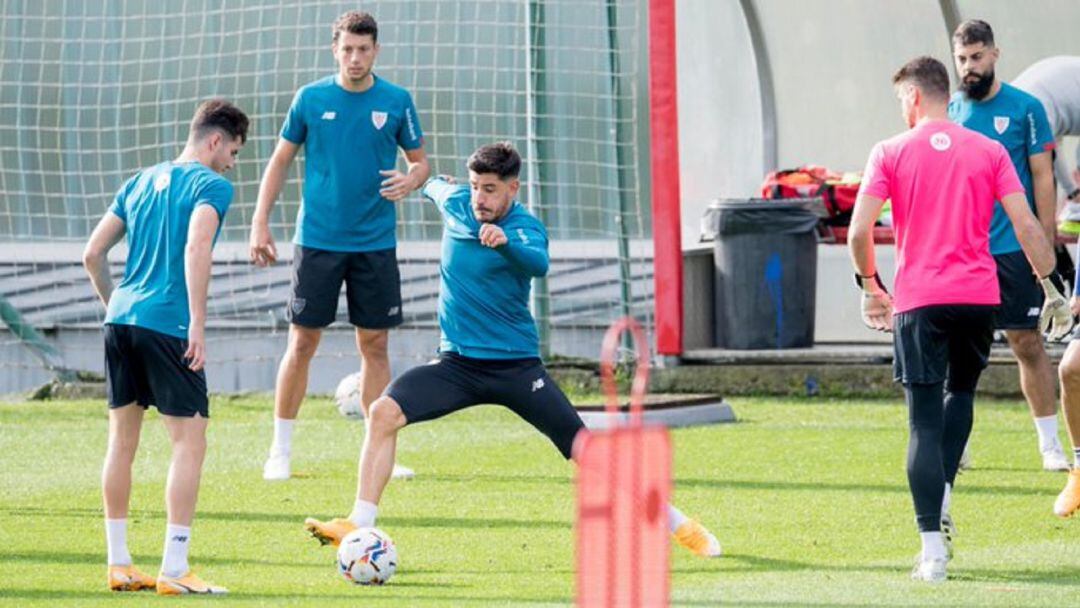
<point>940,141</point>
<point>1000,124</point>
<point>378,119</point>
<point>162,181</point>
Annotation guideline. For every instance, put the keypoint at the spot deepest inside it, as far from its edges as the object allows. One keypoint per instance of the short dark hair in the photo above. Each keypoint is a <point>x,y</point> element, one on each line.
<point>222,115</point>
<point>928,74</point>
<point>500,158</point>
<point>357,22</point>
<point>973,31</point>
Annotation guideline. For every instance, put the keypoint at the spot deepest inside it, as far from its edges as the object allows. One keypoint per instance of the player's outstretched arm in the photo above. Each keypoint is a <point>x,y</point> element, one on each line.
<point>109,231</point>
<point>526,248</point>
<point>197,266</point>
<point>262,250</point>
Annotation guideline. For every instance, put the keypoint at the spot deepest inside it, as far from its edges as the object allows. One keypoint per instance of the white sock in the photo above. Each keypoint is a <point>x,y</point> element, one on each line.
<point>116,538</point>
<point>933,547</point>
<point>1047,427</point>
<point>946,500</point>
<point>363,514</point>
<point>283,429</point>
<point>177,540</point>
<point>675,518</point>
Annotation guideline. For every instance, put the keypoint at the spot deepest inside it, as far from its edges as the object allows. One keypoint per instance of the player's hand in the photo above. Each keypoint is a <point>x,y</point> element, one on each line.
<point>262,251</point>
<point>1057,316</point>
<point>877,310</point>
<point>492,236</point>
<point>195,354</point>
<point>396,186</point>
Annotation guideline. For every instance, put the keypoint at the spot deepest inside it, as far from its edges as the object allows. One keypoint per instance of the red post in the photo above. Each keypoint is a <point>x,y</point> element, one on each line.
<point>664,161</point>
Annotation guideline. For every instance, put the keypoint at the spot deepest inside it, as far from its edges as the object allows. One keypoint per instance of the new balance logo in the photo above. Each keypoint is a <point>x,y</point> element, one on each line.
<point>1034,312</point>
<point>180,538</point>
<point>329,115</point>
<point>393,311</point>
<point>537,384</point>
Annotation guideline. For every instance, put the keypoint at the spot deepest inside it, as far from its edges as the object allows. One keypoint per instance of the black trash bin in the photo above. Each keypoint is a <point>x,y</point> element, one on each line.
<point>765,257</point>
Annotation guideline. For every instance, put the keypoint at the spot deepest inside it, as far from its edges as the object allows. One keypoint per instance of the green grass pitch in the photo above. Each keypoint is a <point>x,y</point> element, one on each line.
<point>808,497</point>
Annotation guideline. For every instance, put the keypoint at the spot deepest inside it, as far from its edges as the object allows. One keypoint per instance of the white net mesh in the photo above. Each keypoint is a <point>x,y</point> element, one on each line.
<point>90,92</point>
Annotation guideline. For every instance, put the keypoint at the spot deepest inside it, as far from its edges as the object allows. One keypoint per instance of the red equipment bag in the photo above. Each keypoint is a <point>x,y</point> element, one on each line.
<point>837,191</point>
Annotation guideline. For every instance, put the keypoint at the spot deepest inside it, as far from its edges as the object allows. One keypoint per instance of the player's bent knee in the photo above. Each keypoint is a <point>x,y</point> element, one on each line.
<point>386,415</point>
<point>373,344</point>
<point>1026,345</point>
<point>303,342</point>
<point>1069,370</point>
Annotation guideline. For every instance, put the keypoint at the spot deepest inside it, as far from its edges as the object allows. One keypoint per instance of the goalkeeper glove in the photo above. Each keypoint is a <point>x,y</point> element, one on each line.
<point>877,310</point>
<point>1056,317</point>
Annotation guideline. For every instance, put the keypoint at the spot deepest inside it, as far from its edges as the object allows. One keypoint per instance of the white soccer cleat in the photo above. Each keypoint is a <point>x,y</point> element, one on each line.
<point>277,467</point>
<point>401,472</point>
<point>929,570</point>
<point>1053,458</point>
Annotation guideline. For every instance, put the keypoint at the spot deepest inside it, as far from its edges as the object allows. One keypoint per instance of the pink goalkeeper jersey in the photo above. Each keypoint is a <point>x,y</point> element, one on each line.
<point>943,180</point>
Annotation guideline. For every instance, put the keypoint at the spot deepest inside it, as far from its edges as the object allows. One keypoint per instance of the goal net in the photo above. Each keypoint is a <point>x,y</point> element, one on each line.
<point>93,91</point>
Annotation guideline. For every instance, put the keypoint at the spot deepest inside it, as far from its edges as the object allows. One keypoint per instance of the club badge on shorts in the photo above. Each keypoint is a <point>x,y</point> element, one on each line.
<point>297,305</point>
<point>378,119</point>
<point>1000,124</point>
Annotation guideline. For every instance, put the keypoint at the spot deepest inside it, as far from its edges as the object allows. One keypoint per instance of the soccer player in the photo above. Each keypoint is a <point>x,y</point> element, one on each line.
<point>943,181</point>
<point>351,125</point>
<point>155,326</point>
<point>1016,120</point>
<point>492,248</point>
<point>1055,82</point>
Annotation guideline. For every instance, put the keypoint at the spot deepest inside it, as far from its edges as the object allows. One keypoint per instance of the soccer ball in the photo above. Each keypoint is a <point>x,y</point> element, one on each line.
<point>367,556</point>
<point>347,397</point>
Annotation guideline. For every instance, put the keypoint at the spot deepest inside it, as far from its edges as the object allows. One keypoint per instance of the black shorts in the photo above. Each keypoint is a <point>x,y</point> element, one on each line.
<point>1021,296</point>
<point>148,368</point>
<point>372,288</point>
<point>948,343</point>
<point>453,382</point>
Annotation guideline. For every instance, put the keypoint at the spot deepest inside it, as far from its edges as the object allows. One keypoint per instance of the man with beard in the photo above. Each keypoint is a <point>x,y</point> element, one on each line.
<point>1016,120</point>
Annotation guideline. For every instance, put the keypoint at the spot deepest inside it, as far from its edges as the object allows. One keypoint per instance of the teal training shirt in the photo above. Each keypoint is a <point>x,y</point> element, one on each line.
<point>156,206</point>
<point>348,138</point>
<point>484,292</point>
<point>1018,121</point>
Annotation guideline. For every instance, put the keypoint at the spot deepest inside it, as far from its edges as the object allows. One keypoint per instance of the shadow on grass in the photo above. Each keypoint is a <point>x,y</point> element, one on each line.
<point>754,563</point>
<point>288,518</point>
<point>823,486</point>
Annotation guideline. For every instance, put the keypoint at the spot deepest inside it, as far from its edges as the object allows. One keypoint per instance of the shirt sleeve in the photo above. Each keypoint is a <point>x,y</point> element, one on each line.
<point>295,129</point>
<point>527,248</point>
<point>119,203</point>
<point>1040,138</point>
<point>410,136</point>
<point>438,191</point>
<point>1006,181</point>
<point>217,193</point>
<point>875,179</point>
